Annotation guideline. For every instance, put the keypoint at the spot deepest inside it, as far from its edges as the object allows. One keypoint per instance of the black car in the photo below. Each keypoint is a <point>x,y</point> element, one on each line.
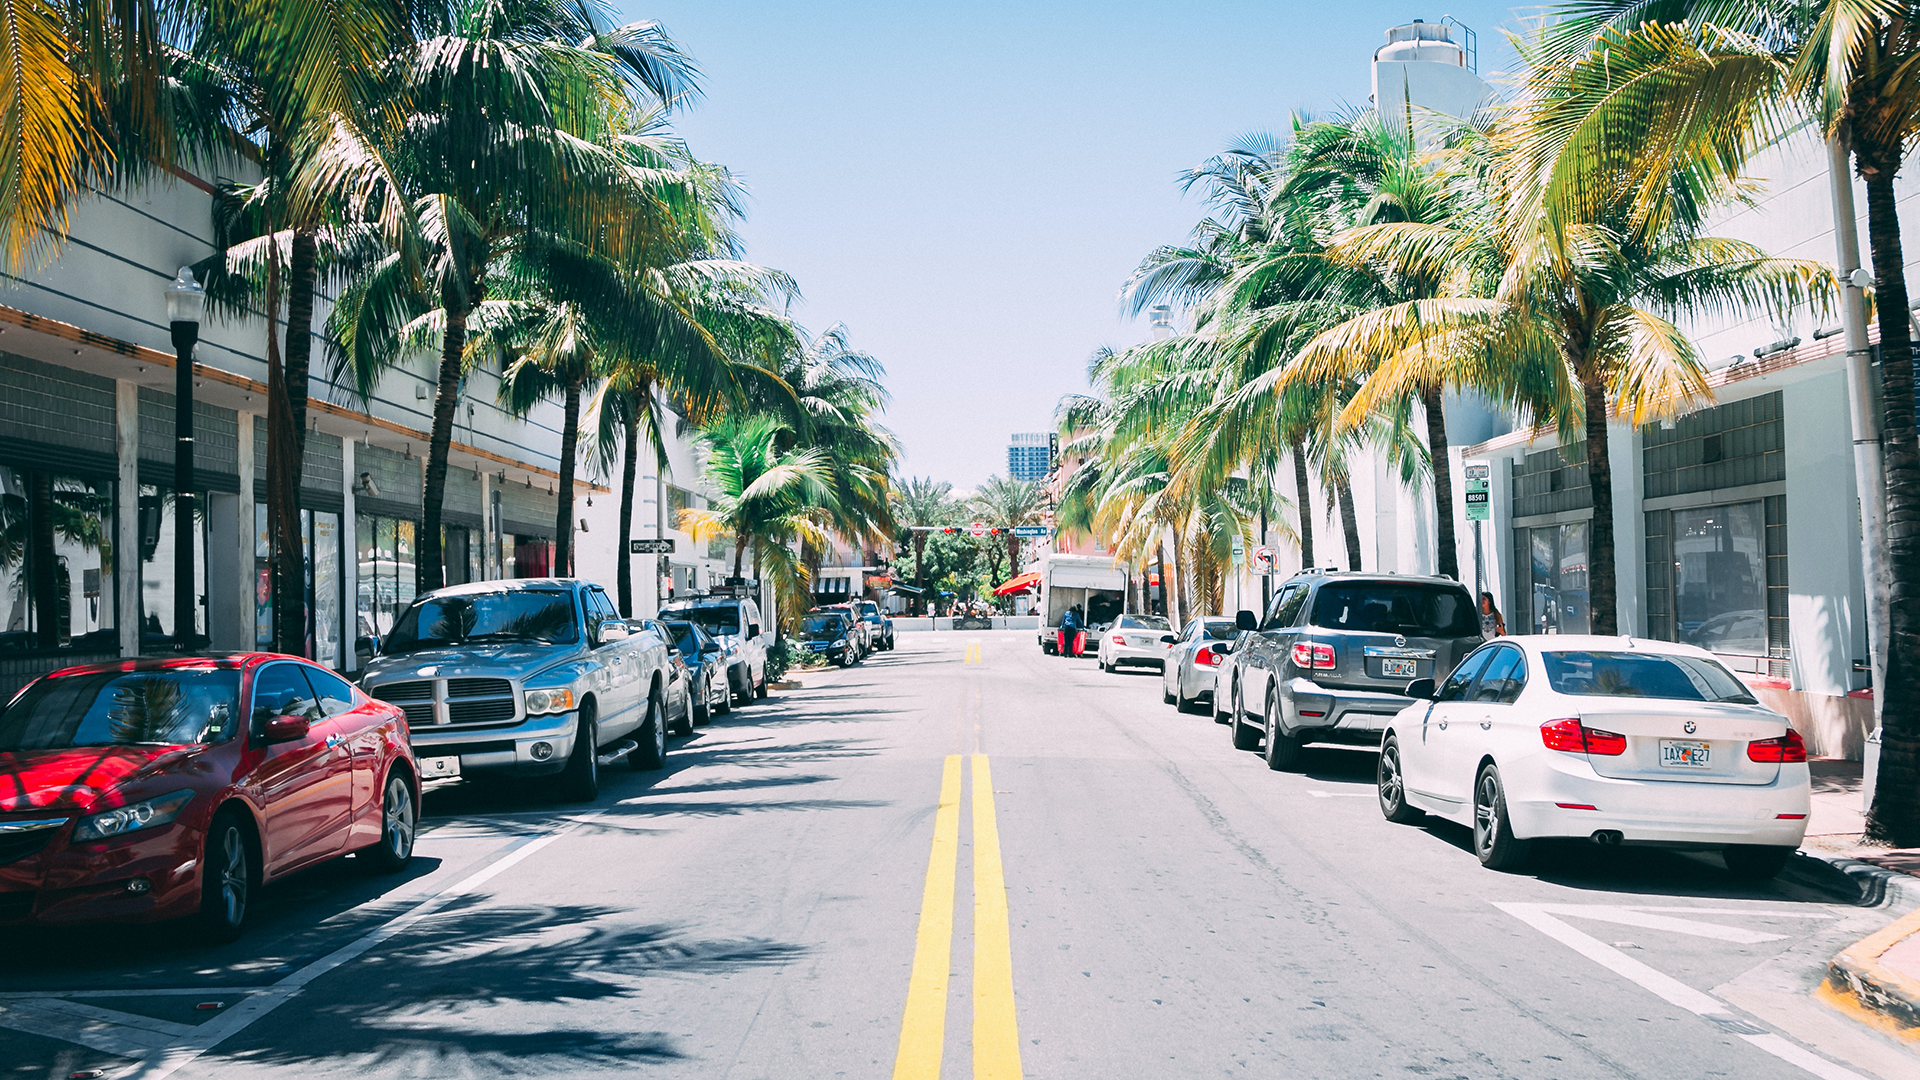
<point>1331,658</point>
<point>830,634</point>
<point>706,663</point>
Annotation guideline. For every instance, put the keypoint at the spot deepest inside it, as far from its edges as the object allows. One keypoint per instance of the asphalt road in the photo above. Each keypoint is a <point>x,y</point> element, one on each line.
<point>814,888</point>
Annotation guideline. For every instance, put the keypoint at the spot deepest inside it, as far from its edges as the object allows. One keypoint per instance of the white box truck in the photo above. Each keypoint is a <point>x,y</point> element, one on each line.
<point>1090,582</point>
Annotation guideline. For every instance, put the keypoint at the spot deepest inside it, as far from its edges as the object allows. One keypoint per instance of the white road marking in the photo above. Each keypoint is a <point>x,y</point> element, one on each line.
<point>1633,916</point>
<point>1541,918</point>
<point>1342,794</point>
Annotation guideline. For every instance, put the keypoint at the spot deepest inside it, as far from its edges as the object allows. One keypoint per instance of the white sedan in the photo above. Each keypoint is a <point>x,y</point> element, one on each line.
<point>1611,739</point>
<point>1135,641</point>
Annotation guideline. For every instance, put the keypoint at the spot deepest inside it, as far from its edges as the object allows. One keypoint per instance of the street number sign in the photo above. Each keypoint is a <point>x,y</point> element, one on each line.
<point>1263,558</point>
<point>650,547</point>
<point>1478,496</point>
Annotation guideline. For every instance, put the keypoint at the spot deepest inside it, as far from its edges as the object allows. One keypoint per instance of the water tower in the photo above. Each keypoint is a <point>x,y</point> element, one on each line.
<point>1423,69</point>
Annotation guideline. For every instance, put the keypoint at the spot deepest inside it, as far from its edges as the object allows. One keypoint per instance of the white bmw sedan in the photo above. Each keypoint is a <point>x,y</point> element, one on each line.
<point>1135,641</point>
<point>1611,739</point>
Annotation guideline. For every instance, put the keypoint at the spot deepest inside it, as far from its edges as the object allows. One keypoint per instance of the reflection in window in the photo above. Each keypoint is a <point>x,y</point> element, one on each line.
<point>157,536</point>
<point>1719,578</point>
<point>56,562</point>
<point>386,552</point>
<point>1558,579</point>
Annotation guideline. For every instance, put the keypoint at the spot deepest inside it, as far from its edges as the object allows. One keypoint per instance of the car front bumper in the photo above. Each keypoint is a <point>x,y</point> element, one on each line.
<point>513,751</point>
<point>66,883</point>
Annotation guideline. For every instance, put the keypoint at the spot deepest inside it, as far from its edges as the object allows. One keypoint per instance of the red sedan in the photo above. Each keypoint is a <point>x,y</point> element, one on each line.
<point>161,789</point>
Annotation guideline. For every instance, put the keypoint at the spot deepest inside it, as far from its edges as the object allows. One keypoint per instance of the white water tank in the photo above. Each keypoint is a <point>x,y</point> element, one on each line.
<point>1422,70</point>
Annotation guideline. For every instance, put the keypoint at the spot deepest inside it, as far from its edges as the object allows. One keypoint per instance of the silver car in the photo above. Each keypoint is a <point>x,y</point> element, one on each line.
<point>1186,679</point>
<point>1134,641</point>
<point>538,677</point>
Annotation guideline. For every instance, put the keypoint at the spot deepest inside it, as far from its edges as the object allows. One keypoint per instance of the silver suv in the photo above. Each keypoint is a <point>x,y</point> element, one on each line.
<point>1331,658</point>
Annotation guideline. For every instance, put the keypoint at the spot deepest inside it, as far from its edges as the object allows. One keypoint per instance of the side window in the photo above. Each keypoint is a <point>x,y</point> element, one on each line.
<point>1494,678</point>
<point>1457,683</point>
<point>1297,603</point>
<point>593,604</point>
<point>334,694</point>
<point>1279,606</point>
<point>1516,678</point>
<point>281,690</point>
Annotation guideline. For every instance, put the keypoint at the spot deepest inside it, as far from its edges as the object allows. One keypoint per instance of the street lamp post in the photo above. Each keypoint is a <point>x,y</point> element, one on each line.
<point>185,302</point>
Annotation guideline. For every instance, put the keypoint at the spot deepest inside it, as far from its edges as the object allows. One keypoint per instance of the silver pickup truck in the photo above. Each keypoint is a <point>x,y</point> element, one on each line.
<point>537,677</point>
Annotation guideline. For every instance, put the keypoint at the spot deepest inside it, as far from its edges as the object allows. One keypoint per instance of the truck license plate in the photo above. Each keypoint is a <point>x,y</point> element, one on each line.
<point>435,768</point>
<point>1684,755</point>
<point>1405,669</point>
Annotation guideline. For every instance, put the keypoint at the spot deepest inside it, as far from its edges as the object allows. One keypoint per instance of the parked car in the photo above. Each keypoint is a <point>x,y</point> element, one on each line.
<point>859,633</point>
<point>1187,676</point>
<point>535,677</point>
<point>679,678</point>
<point>704,658</point>
<point>1134,641</point>
<point>879,624</point>
<point>830,633</point>
<point>735,623</point>
<point>1331,659</point>
<point>1618,740</point>
<point>145,790</point>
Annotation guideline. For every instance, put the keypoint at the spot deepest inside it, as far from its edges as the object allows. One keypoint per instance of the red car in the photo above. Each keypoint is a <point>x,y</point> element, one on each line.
<point>170,788</point>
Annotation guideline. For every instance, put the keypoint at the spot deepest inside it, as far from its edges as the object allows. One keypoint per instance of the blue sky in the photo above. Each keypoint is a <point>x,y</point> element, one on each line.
<point>967,186</point>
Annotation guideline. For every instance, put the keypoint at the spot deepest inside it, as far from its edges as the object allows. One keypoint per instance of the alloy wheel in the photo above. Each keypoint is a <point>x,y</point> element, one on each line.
<point>400,820</point>
<point>234,878</point>
<point>1392,786</point>
<point>1485,822</point>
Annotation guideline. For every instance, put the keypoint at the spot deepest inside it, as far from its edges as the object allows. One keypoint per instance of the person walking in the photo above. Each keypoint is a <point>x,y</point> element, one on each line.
<point>1492,625</point>
<point>1070,637</point>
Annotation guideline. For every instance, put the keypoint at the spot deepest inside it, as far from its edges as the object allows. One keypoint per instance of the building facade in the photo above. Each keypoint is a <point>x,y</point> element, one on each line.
<point>1030,455</point>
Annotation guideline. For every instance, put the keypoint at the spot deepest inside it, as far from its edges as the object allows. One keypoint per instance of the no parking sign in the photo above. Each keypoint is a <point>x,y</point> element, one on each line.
<point>1263,558</point>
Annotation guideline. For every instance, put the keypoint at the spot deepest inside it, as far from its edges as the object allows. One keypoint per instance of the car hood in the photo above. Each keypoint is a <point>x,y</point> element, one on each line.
<point>76,778</point>
<point>496,659</point>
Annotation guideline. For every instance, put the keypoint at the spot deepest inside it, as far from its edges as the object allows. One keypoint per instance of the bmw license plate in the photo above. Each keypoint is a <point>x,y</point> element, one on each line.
<point>1404,669</point>
<point>1684,755</point>
<point>435,768</point>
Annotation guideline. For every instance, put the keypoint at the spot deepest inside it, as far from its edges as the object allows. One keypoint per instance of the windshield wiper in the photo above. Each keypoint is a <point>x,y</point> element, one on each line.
<point>507,635</point>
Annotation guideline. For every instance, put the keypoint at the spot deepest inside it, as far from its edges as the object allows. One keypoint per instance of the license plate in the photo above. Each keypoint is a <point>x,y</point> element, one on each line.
<point>434,768</point>
<point>1405,669</point>
<point>1684,755</point>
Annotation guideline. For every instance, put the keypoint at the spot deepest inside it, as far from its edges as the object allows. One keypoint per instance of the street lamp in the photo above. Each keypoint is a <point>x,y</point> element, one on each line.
<point>185,301</point>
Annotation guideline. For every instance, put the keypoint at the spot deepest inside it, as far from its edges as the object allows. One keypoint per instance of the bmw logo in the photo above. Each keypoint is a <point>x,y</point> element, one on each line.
<point>1691,727</point>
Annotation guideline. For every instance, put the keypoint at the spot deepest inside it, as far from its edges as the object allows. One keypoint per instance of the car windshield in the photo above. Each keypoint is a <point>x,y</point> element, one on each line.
<point>822,625</point>
<point>718,621</point>
<point>1141,622</point>
<point>1220,629</point>
<point>1643,675</point>
<point>1410,609</point>
<point>542,615</point>
<point>175,707</point>
<point>686,639</point>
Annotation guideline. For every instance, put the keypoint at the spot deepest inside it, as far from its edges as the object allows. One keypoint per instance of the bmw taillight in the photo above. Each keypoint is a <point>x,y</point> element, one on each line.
<point>1788,747</point>
<point>1312,655</point>
<point>1572,737</point>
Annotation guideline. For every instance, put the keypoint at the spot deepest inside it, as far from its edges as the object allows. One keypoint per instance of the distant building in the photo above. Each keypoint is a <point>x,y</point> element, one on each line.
<point>1029,456</point>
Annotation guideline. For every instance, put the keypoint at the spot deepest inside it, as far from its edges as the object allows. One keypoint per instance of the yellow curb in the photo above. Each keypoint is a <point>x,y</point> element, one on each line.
<point>1858,983</point>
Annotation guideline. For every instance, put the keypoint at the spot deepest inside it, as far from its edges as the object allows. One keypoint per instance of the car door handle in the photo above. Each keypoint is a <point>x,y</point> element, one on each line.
<point>1486,725</point>
<point>1442,725</point>
<point>333,741</point>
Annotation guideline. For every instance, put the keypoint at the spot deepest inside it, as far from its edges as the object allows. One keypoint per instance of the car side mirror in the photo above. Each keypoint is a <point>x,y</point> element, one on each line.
<point>709,649</point>
<point>611,632</point>
<point>753,629</point>
<point>1168,639</point>
<point>1221,648</point>
<point>1246,620</point>
<point>1421,688</point>
<point>287,728</point>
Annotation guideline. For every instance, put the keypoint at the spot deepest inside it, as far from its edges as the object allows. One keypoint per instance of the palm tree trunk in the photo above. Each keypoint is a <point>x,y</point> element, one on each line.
<point>286,446</point>
<point>1349,522</point>
<point>428,574</point>
<point>1448,556</point>
<point>1303,495</point>
<point>629,471</point>
<point>44,564</point>
<point>563,502</point>
<point>739,555</point>
<point>1895,814</point>
<point>1602,597</point>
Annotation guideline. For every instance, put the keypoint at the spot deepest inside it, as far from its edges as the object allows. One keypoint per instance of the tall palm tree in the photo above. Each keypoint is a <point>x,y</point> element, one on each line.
<point>771,498</point>
<point>920,504</point>
<point>1006,503</point>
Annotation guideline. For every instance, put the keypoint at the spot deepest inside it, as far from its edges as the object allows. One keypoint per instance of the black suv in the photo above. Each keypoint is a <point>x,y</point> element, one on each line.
<point>1331,659</point>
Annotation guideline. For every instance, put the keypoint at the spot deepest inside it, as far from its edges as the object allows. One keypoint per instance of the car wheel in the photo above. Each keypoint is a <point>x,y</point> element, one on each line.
<point>399,821</point>
<point>1393,786</point>
<point>226,878</point>
<point>1219,715</point>
<point>1754,862</point>
<point>652,752</point>
<point>1493,839</point>
<point>703,711</point>
<point>1168,697</point>
<point>745,695</point>
<point>1283,750</point>
<point>1244,737</point>
<point>685,726</point>
<point>580,780</point>
<point>761,690</point>
<point>726,698</point>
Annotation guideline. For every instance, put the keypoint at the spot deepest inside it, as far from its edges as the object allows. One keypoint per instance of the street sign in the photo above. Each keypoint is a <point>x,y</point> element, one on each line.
<point>1263,558</point>
<point>650,547</point>
<point>1478,495</point>
<point>1239,552</point>
<point>1031,531</point>
<point>978,529</point>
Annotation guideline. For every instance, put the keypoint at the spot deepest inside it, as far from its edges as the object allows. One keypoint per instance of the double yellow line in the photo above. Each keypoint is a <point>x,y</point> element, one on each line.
<point>976,653</point>
<point>996,1034</point>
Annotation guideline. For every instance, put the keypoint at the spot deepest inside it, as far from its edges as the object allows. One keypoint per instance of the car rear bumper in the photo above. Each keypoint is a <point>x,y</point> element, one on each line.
<point>1357,715</point>
<point>514,751</point>
<point>1131,656</point>
<point>1652,811</point>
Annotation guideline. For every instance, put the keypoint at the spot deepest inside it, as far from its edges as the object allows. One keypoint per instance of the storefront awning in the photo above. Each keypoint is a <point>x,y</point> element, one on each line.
<point>1018,583</point>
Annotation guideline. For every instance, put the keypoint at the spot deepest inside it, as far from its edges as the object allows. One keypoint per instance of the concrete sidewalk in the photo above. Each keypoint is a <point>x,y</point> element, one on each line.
<point>1877,979</point>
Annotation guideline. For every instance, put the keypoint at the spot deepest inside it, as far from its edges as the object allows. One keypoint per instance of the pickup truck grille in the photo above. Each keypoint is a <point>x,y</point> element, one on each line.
<point>420,715</point>
<point>468,688</point>
<point>406,691</point>
<point>480,712</point>
<point>439,702</point>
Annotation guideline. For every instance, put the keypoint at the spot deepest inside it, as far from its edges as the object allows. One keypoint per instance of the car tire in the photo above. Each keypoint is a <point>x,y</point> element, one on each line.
<point>1220,716</point>
<point>1283,750</point>
<point>651,754</point>
<point>1244,737</point>
<point>580,780</point>
<point>702,710</point>
<point>1493,839</point>
<point>399,823</point>
<point>1756,862</point>
<point>745,695</point>
<point>1393,786</point>
<point>761,690</point>
<point>685,726</point>
<point>227,878</point>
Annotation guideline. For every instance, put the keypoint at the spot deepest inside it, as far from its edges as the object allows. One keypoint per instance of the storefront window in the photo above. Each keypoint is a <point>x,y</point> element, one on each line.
<point>385,556</point>
<point>532,557</point>
<point>1719,578</point>
<point>157,537</point>
<point>56,562</point>
<point>1558,580</point>
<point>320,557</point>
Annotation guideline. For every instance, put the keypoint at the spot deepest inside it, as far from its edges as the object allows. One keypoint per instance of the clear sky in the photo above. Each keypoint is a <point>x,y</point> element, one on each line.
<point>966,186</point>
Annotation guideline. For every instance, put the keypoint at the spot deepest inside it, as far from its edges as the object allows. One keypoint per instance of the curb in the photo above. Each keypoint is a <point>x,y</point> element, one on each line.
<point>1857,982</point>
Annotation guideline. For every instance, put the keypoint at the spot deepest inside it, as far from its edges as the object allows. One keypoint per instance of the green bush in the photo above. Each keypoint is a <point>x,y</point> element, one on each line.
<point>783,655</point>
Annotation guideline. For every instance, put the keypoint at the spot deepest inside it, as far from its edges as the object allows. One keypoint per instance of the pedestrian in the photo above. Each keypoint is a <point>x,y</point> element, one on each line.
<point>1491,623</point>
<point>1069,632</point>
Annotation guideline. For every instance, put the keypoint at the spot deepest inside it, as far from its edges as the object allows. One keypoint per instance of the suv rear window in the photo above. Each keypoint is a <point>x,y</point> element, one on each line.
<point>1410,609</point>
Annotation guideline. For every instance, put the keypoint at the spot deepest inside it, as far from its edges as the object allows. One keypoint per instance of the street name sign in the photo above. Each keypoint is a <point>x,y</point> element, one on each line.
<point>650,547</point>
<point>1031,531</point>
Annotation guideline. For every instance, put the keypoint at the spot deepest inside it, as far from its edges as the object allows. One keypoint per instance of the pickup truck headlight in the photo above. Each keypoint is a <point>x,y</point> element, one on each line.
<point>150,814</point>
<point>541,702</point>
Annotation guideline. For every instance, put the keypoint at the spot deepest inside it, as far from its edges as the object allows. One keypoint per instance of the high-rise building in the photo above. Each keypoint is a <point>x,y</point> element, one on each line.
<point>1029,455</point>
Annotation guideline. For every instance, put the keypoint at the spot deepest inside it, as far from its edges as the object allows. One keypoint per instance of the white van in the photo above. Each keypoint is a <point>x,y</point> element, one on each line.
<point>736,624</point>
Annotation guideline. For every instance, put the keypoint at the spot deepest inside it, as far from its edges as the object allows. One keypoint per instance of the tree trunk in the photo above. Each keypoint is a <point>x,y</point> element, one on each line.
<point>1303,494</point>
<point>1895,814</point>
<point>1166,583</point>
<point>286,444</point>
<point>1602,585</point>
<point>1266,580</point>
<point>1349,522</point>
<point>629,470</point>
<point>428,574</point>
<point>1449,556</point>
<point>563,501</point>
<point>739,555</point>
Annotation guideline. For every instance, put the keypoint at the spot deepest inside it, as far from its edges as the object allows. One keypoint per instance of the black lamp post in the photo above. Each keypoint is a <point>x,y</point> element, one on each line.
<point>185,302</point>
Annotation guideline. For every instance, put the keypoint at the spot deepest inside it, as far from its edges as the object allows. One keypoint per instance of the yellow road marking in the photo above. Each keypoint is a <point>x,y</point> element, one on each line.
<point>923,1027</point>
<point>976,653</point>
<point>996,1034</point>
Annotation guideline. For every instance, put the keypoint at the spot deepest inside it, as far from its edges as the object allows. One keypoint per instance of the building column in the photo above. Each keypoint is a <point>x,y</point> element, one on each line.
<point>126,541</point>
<point>247,537</point>
<point>350,564</point>
<point>489,542</point>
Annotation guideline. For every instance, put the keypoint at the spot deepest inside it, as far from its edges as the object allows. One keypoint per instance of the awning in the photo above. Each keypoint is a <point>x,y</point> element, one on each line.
<point>1018,583</point>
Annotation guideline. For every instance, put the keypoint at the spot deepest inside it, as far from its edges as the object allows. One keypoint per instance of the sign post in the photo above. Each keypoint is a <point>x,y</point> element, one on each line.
<point>1479,509</point>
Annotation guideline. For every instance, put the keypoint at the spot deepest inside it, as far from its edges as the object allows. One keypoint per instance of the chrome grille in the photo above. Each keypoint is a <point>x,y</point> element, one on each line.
<point>418,715</point>
<point>408,691</point>
<point>486,711</point>
<point>15,846</point>
<point>442,702</point>
<point>465,688</point>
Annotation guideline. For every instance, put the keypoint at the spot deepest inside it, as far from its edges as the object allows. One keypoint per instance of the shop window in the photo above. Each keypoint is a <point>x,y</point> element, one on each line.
<point>384,558</point>
<point>320,584</point>
<point>1555,557</point>
<point>532,556</point>
<point>157,539</point>
<point>1720,578</point>
<point>56,562</point>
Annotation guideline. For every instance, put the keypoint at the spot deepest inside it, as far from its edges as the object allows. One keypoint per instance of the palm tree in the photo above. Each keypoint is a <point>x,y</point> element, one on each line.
<point>1006,504</point>
<point>920,504</point>
<point>768,496</point>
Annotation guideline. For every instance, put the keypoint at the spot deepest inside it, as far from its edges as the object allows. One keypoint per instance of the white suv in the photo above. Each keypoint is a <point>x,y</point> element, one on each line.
<point>736,625</point>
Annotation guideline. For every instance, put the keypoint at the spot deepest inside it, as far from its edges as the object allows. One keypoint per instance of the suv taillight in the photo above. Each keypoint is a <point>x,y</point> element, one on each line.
<point>1572,737</point>
<point>1788,747</point>
<point>1312,655</point>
